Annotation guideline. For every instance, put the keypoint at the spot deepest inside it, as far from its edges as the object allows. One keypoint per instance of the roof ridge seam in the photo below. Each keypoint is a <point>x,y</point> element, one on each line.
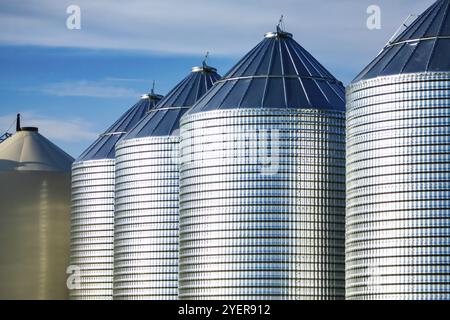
<point>416,24</point>
<point>114,133</point>
<point>169,108</point>
<point>418,39</point>
<point>445,16</point>
<point>334,80</point>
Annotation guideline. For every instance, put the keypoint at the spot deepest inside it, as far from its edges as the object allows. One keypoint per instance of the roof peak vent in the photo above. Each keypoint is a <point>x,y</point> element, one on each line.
<point>30,129</point>
<point>281,30</point>
<point>204,67</point>
<point>152,95</point>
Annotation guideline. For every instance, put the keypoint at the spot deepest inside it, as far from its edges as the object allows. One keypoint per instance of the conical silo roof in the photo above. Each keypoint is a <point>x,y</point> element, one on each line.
<point>164,120</point>
<point>277,73</point>
<point>103,147</point>
<point>424,46</point>
<point>28,150</point>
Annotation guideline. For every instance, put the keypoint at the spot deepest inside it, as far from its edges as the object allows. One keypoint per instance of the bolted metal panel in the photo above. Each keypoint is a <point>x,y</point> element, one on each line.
<point>146,219</point>
<point>398,188</point>
<point>262,200</point>
<point>147,193</point>
<point>92,228</point>
<point>92,242</point>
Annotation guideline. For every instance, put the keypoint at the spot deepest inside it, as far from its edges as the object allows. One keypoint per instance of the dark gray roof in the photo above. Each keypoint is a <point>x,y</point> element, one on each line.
<point>277,73</point>
<point>164,120</point>
<point>104,146</point>
<point>423,47</point>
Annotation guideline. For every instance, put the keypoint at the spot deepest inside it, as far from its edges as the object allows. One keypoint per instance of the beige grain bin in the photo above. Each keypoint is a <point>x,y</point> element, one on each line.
<point>34,217</point>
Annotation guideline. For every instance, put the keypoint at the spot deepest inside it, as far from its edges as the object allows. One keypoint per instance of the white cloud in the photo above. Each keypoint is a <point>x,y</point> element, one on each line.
<point>64,130</point>
<point>335,32</point>
<point>115,79</point>
<point>84,88</point>
<point>191,27</point>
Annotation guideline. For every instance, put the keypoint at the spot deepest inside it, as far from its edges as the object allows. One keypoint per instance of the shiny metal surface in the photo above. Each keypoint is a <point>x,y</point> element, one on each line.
<point>398,188</point>
<point>92,228</point>
<point>262,199</point>
<point>147,195</point>
<point>92,220</point>
<point>146,219</point>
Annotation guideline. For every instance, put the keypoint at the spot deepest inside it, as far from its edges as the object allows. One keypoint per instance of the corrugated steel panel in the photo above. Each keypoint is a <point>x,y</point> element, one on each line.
<point>147,196</point>
<point>146,219</point>
<point>92,228</point>
<point>92,219</point>
<point>262,198</point>
<point>262,180</point>
<point>398,186</point>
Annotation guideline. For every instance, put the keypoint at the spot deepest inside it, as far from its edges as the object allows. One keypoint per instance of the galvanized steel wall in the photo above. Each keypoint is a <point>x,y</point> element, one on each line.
<point>92,228</point>
<point>146,219</point>
<point>398,188</point>
<point>262,200</point>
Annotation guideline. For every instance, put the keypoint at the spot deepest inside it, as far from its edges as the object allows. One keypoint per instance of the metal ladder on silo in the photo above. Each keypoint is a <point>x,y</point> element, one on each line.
<point>5,136</point>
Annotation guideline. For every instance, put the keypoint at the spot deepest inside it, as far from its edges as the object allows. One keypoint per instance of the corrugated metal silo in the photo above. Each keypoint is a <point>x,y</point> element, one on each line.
<point>262,180</point>
<point>398,162</point>
<point>34,217</point>
<point>92,219</point>
<point>146,210</point>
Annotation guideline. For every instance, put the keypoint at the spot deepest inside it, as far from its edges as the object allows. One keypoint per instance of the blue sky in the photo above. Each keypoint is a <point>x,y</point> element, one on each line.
<point>74,83</point>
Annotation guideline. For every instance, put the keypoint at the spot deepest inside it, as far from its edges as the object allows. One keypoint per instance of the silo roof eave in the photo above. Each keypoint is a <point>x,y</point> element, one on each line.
<point>401,77</point>
<point>277,72</point>
<point>30,151</point>
<point>104,146</point>
<point>334,80</point>
<point>163,120</point>
<point>422,47</point>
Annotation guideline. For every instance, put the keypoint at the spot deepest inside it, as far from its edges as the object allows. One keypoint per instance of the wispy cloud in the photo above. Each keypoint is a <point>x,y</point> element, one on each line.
<point>64,130</point>
<point>116,79</point>
<point>186,27</point>
<point>84,88</point>
<point>335,32</point>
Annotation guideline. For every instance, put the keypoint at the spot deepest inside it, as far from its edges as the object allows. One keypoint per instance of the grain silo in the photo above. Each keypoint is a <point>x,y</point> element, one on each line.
<point>92,218</point>
<point>398,162</point>
<point>146,211</point>
<point>34,217</point>
<point>262,180</point>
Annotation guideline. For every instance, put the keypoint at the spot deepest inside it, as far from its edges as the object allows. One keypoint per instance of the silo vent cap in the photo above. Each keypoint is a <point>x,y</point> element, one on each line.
<point>30,129</point>
<point>204,68</point>
<point>278,34</point>
<point>152,96</point>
